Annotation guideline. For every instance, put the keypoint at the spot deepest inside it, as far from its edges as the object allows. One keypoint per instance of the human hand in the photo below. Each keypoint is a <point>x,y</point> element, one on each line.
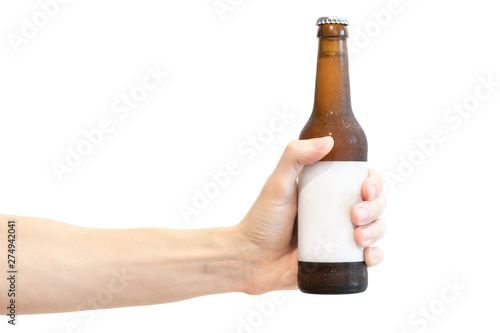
<point>269,228</point>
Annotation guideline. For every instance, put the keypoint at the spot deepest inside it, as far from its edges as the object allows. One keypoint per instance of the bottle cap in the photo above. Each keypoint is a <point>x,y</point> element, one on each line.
<point>332,20</point>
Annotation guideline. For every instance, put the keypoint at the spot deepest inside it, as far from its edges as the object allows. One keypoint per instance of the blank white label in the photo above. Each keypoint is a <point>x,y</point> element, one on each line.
<point>327,191</point>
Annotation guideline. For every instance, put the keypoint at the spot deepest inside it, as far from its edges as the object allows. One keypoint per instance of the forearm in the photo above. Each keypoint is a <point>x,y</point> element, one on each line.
<point>67,268</point>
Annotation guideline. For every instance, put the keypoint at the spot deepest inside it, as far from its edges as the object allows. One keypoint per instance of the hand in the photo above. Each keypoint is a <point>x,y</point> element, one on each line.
<point>270,231</point>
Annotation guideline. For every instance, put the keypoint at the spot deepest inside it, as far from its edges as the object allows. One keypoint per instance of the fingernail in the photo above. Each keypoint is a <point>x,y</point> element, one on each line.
<point>362,214</point>
<point>374,254</point>
<point>320,143</point>
<point>367,234</point>
<point>372,191</point>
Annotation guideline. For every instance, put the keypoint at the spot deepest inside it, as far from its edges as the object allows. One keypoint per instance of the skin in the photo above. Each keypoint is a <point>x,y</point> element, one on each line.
<point>69,268</point>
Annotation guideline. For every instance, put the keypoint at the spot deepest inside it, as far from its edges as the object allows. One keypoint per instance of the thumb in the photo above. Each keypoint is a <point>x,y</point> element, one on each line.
<point>297,154</point>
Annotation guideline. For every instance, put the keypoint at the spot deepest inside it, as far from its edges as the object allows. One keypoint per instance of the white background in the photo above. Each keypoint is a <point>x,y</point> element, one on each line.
<point>226,75</point>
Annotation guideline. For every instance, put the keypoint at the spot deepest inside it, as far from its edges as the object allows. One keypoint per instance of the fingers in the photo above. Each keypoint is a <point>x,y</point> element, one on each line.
<point>366,216</point>
<point>302,152</point>
<point>369,234</point>
<point>366,212</point>
<point>373,256</point>
<point>372,186</point>
<point>374,201</point>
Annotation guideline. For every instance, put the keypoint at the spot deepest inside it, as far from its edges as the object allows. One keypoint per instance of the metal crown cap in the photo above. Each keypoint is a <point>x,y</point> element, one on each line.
<point>332,20</point>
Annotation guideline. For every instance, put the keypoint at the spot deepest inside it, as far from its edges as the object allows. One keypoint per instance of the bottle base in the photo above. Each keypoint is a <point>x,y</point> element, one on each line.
<point>330,278</point>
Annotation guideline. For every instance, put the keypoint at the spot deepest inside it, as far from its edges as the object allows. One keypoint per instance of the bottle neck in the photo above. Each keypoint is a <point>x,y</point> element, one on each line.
<point>333,95</point>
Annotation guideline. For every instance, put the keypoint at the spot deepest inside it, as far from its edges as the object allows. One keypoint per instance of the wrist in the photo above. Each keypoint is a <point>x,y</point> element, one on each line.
<point>227,259</point>
<point>259,266</point>
<point>248,257</point>
<point>265,269</point>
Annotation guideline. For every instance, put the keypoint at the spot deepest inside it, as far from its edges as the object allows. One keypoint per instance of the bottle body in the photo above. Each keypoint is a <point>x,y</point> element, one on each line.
<point>330,261</point>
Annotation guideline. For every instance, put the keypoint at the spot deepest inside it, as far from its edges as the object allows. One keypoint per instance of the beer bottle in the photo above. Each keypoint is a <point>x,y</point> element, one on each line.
<point>330,261</point>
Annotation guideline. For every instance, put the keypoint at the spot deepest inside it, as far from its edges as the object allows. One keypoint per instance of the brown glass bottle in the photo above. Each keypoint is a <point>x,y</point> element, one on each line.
<point>329,260</point>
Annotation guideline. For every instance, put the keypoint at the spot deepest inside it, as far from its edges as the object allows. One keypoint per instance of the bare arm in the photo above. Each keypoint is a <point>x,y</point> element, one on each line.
<point>63,268</point>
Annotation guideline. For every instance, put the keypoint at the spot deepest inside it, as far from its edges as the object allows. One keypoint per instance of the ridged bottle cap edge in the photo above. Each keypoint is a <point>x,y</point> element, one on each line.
<point>332,20</point>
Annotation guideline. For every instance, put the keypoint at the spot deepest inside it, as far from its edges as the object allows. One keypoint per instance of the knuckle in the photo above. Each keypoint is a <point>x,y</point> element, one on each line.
<point>291,147</point>
<point>383,203</point>
<point>382,226</point>
<point>277,189</point>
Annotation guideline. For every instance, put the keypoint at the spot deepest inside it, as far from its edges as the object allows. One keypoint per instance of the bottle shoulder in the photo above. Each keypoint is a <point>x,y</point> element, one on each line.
<point>350,143</point>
